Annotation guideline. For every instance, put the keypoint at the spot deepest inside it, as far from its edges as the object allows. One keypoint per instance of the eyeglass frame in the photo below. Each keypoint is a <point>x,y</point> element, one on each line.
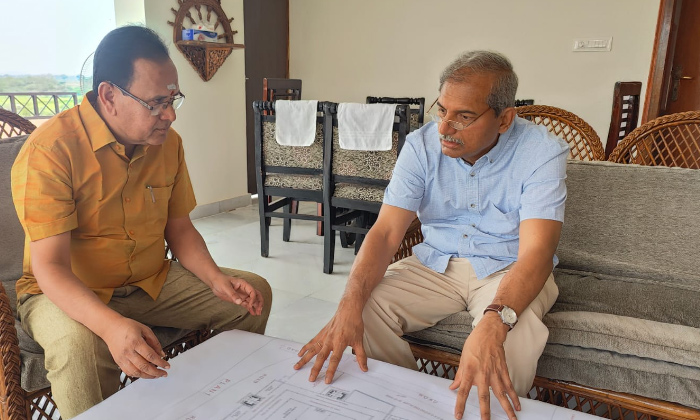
<point>439,120</point>
<point>159,107</point>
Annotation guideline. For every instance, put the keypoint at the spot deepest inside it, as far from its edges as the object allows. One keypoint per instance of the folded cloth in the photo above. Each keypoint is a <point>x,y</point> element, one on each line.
<point>296,122</point>
<point>365,126</point>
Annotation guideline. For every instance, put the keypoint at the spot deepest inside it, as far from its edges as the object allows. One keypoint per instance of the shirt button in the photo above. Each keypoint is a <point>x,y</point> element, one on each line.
<point>473,225</point>
<point>472,174</point>
<point>465,235</point>
<point>131,232</point>
<point>472,205</point>
<point>127,199</point>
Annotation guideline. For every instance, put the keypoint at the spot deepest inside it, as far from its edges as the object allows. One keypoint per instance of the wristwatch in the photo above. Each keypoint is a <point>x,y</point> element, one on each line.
<point>507,314</point>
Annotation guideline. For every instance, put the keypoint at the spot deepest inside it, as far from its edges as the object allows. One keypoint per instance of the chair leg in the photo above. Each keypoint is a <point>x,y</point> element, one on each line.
<point>292,207</point>
<point>319,225</point>
<point>264,227</point>
<point>328,240</point>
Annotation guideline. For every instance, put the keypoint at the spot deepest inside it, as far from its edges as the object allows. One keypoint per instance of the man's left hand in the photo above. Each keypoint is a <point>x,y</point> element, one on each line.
<point>483,363</point>
<point>238,291</point>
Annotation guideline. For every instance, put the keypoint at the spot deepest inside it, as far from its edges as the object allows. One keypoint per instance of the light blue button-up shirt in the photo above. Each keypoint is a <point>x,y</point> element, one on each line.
<point>474,212</point>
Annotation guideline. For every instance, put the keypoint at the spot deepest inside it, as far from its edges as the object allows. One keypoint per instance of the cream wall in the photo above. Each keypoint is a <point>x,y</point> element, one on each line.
<point>212,119</point>
<point>345,50</point>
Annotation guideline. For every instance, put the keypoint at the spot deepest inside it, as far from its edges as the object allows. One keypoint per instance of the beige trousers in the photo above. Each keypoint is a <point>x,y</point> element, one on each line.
<point>412,297</point>
<point>80,367</point>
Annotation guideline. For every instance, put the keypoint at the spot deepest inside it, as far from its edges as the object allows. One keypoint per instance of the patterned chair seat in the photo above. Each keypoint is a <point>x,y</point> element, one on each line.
<point>301,182</point>
<point>359,192</point>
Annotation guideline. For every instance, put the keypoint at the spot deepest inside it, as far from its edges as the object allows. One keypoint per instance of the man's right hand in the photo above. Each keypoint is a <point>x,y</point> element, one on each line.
<point>344,329</point>
<point>136,349</point>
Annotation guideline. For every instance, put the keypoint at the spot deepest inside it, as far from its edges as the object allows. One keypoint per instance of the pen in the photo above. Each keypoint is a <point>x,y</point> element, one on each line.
<point>153,197</point>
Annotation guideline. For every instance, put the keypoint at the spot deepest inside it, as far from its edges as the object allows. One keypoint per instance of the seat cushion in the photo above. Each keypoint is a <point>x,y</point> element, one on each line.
<point>300,182</point>
<point>33,376</point>
<point>359,192</point>
<point>12,238</point>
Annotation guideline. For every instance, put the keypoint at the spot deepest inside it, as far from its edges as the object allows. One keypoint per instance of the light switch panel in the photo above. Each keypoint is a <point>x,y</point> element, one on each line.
<point>592,44</point>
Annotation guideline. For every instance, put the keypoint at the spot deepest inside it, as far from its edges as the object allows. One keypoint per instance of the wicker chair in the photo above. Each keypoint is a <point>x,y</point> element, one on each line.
<point>600,402</point>
<point>17,403</point>
<point>584,143</point>
<point>671,140</point>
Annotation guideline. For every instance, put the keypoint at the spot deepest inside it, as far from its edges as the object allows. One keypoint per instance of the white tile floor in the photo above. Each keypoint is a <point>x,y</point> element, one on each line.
<point>304,298</point>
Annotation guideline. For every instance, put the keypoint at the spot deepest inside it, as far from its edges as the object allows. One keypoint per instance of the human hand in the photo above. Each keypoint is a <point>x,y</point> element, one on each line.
<point>344,329</point>
<point>136,349</point>
<point>483,363</point>
<point>238,291</point>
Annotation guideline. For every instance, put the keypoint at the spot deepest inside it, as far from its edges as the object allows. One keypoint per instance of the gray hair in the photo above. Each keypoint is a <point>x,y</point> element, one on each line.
<point>469,63</point>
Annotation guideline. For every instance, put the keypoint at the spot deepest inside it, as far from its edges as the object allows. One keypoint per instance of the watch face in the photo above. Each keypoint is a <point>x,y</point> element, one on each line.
<point>508,315</point>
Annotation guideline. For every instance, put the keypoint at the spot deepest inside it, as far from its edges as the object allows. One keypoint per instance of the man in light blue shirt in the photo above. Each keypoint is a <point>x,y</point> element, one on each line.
<point>489,190</point>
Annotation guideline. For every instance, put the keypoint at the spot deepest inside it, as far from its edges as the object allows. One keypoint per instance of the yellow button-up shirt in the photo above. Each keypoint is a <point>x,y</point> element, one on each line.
<point>72,175</point>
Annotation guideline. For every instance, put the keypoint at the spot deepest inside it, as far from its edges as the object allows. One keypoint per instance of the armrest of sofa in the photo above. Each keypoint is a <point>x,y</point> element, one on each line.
<point>11,393</point>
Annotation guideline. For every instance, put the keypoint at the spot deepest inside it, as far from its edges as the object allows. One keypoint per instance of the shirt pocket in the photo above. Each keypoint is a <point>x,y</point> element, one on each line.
<point>156,201</point>
<point>495,221</point>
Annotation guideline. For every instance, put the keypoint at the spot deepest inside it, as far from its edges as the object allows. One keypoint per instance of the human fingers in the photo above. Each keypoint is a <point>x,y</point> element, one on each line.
<point>484,400</point>
<point>509,389</point>
<point>323,353</point>
<point>361,356</point>
<point>131,370</point>
<point>463,383</point>
<point>308,352</point>
<point>155,354</point>
<point>336,357</point>
<point>502,396</point>
<point>148,362</point>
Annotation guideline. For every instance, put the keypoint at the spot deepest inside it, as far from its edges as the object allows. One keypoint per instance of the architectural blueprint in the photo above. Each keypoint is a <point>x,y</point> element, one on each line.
<point>244,376</point>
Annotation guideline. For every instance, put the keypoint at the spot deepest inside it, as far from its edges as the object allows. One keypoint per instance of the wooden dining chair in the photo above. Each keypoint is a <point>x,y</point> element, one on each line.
<point>625,113</point>
<point>416,107</point>
<point>285,89</point>
<point>289,173</point>
<point>354,181</point>
<point>584,143</point>
<point>670,140</point>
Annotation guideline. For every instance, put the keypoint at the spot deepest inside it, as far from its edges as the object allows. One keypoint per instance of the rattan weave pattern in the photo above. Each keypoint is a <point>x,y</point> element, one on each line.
<point>670,140</point>
<point>584,143</point>
<point>12,125</point>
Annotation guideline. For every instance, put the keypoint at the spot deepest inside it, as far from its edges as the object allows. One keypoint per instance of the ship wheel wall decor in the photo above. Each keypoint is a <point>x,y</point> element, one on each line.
<point>206,57</point>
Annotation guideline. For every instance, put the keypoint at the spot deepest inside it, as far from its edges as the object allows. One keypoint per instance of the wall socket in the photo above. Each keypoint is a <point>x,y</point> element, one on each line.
<point>592,44</point>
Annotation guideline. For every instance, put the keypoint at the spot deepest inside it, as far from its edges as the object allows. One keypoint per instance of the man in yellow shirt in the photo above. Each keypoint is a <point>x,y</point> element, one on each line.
<point>98,190</point>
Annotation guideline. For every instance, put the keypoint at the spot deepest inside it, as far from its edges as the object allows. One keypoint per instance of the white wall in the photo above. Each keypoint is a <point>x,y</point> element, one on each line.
<point>345,50</point>
<point>212,119</point>
<point>129,12</point>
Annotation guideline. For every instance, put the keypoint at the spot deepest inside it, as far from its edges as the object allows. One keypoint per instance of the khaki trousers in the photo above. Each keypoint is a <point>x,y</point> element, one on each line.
<point>412,297</point>
<point>80,367</point>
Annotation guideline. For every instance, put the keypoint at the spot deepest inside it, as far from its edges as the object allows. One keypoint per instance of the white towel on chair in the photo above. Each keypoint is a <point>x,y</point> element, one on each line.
<point>295,122</point>
<point>365,126</point>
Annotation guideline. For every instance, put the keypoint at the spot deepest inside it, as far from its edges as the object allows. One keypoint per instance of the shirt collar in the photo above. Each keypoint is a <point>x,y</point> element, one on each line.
<point>503,138</point>
<point>97,131</point>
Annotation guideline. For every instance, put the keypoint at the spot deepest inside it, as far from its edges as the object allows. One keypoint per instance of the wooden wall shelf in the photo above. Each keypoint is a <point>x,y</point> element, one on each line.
<point>205,57</point>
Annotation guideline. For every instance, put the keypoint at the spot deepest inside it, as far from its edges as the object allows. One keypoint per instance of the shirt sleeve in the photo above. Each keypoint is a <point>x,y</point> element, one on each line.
<point>407,185</point>
<point>182,199</point>
<point>42,192</point>
<point>544,192</point>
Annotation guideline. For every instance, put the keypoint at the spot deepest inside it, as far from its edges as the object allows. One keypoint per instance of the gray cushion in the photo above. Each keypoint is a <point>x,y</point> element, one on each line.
<point>633,221</point>
<point>12,233</point>
<point>626,317</point>
<point>33,374</point>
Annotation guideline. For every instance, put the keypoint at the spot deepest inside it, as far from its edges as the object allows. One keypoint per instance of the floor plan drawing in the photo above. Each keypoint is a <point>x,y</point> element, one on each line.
<point>243,376</point>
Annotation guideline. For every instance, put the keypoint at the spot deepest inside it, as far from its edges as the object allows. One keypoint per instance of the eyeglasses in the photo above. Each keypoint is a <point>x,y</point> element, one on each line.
<point>175,101</point>
<point>454,124</point>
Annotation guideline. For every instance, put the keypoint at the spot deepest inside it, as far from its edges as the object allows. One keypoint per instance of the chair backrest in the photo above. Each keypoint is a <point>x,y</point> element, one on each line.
<point>12,125</point>
<point>363,175</point>
<point>625,113</point>
<point>584,143</point>
<point>280,166</point>
<point>671,140</point>
<point>287,89</point>
<point>417,108</point>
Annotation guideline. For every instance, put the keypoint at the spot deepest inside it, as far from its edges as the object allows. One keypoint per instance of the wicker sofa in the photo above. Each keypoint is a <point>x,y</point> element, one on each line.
<point>25,392</point>
<point>625,331</point>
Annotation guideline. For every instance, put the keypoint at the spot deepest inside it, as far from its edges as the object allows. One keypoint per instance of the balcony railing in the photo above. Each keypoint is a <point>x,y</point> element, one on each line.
<point>38,104</point>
